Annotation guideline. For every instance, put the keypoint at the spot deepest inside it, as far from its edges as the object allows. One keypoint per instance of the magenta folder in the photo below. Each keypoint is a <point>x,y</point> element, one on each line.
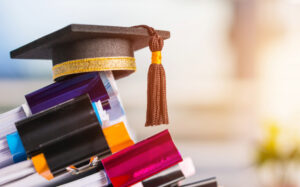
<point>142,160</point>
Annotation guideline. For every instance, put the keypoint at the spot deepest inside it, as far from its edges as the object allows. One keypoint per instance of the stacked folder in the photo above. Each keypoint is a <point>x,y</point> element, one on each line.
<point>74,132</point>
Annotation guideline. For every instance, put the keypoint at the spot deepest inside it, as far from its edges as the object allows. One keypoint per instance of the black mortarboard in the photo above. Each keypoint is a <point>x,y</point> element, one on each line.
<point>76,41</point>
<point>87,48</point>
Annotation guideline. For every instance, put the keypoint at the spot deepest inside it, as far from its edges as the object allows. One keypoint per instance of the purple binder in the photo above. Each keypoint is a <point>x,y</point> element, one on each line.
<point>59,92</point>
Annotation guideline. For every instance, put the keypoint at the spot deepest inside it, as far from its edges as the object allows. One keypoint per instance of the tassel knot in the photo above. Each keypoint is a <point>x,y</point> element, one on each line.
<point>156,43</point>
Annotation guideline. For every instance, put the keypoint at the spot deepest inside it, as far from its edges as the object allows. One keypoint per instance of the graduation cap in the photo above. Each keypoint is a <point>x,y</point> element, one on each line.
<point>79,49</point>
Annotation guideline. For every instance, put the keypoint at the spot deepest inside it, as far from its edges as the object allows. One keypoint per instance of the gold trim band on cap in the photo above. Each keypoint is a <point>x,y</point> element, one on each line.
<point>93,64</point>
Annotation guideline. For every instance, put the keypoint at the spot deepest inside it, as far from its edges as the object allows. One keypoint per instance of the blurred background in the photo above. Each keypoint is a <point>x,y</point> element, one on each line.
<point>233,72</point>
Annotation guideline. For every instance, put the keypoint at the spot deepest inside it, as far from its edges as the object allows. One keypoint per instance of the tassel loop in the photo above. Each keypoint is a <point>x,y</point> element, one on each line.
<point>157,111</point>
<point>156,43</point>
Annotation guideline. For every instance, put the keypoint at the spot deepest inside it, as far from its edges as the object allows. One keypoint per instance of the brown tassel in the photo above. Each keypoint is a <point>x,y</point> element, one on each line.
<point>157,111</point>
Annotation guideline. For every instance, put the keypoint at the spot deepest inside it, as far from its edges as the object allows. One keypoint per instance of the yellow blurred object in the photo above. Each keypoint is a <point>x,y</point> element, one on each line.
<point>280,144</point>
<point>273,131</point>
<point>279,154</point>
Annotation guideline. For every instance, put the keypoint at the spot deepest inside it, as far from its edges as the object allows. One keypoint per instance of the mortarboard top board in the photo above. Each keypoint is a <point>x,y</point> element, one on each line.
<point>93,43</point>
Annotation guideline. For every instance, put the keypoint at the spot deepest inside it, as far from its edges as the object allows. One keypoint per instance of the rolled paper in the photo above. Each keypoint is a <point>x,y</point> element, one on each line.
<point>141,160</point>
<point>62,91</point>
